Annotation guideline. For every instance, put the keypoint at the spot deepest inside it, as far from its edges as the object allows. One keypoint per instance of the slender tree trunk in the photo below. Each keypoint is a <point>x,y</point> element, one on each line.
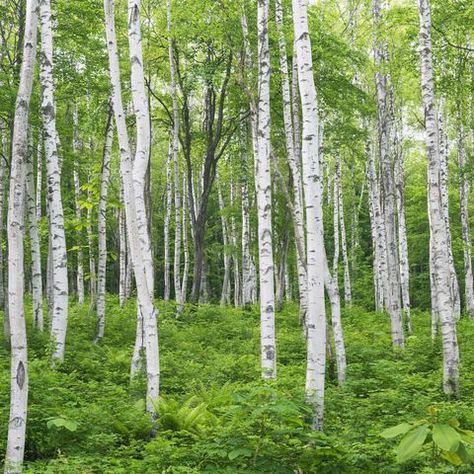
<point>316,317</point>
<point>136,227</point>
<point>264,199</point>
<point>235,258</point>
<point>19,358</point>
<point>225,294</point>
<point>59,281</point>
<point>441,277</point>
<point>402,234</point>
<point>102,228</point>
<point>185,213</point>
<point>169,191</point>
<point>90,244</point>
<point>385,130</point>
<point>3,176</point>
<point>77,198</point>
<point>338,201</point>
<point>464,189</point>
<point>444,182</point>
<point>39,177</point>
<point>122,251</point>
<point>36,278</point>
<point>294,157</point>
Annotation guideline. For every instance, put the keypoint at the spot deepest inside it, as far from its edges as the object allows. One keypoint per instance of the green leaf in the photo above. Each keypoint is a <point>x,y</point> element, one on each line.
<point>446,437</point>
<point>394,431</point>
<point>239,452</point>
<point>452,458</point>
<point>411,443</point>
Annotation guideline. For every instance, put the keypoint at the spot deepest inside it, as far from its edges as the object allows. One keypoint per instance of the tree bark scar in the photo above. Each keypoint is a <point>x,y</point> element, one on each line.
<point>20,375</point>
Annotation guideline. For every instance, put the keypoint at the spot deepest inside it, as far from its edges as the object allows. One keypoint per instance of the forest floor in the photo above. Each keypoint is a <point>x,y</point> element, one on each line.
<point>216,416</point>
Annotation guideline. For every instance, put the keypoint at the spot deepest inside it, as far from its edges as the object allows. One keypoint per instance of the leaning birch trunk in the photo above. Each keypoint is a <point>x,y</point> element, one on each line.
<point>464,189</point>
<point>122,251</point>
<point>438,230</point>
<point>185,213</point>
<point>387,188</point>
<point>179,225</point>
<point>59,283</point>
<point>345,260</point>
<point>316,317</point>
<point>139,170</point>
<point>292,156</point>
<point>36,277</point>
<point>3,173</point>
<point>235,258</point>
<point>77,198</point>
<point>19,358</point>
<point>244,194</point>
<point>264,200</point>
<point>402,233</point>
<point>137,249</point>
<point>166,236</point>
<point>102,228</point>
<point>444,183</point>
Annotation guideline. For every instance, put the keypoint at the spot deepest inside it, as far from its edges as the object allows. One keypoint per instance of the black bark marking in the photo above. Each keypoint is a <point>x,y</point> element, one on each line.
<point>20,375</point>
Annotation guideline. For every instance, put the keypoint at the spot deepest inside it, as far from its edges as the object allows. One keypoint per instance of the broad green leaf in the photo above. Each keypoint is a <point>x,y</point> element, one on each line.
<point>411,443</point>
<point>452,458</point>
<point>446,437</point>
<point>70,425</point>
<point>239,452</point>
<point>394,431</point>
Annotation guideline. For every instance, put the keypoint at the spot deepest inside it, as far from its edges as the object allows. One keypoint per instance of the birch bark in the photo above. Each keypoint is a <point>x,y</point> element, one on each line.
<point>102,228</point>
<point>19,358</point>
<point>77,198</point>
<point>264,199</point>
<point>316,318</point>
<point>137,247</point>
<point>36,277</point>
<point>441,277</point>
<point>166,236</point>
<point>59,283</point>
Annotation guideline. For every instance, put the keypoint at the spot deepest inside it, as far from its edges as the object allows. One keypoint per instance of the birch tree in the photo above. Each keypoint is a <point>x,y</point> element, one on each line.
<point>19,358</point>
<point>316,318</point>
<point>36,276</point>
<point>102,228</point>
<point>439,262</point>
<point>264,199</point>
<point>59,278</point>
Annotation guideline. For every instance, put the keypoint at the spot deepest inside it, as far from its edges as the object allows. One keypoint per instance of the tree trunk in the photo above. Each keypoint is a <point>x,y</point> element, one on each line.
<point>264,199</point>
<point>316,317</point>
<point>102,228</point>
<point>464,189</point>
<point>136,226</point>
<point>59,283</point>
<point>77,197</point>
<point>19,358</point>
<point>36,278</point>
<point>166,275</point>
<point>225,293</point>
<point>439,267</point>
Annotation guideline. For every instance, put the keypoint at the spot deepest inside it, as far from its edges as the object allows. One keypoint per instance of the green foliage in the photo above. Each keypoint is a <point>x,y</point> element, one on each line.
<point>445,441</point>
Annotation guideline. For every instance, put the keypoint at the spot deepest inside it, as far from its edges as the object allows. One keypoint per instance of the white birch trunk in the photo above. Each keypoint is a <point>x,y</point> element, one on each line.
<point>294,158</point>
<point>102,228</point>
<point>59,283</point>
<point>235,258</point>
<point>464,190</point>
<point>36,279</point>
<point>39,177</point>
<point>387,189</point>
<point>77,198</point>
<point>340,204</point>
<point>225,293</point>
<point>316,317</point>
<point>444,182</point>
<point>264,199</point>
<point>166,236</point>
<point>19,358</point>
<point>439,240</point>
<point>90,244</point>
<point>185,213</point>
<point>122,251</point>
<point>402,234</point>
<point>3,173</point>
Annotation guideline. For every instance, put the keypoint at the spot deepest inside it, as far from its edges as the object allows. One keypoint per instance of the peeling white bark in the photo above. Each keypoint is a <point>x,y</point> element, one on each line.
<point>19,358</point>
<point>59,282</point>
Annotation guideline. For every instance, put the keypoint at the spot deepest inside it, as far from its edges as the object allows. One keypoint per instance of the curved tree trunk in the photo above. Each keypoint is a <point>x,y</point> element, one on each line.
<point>19,358</point>
<point>59,283</point>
